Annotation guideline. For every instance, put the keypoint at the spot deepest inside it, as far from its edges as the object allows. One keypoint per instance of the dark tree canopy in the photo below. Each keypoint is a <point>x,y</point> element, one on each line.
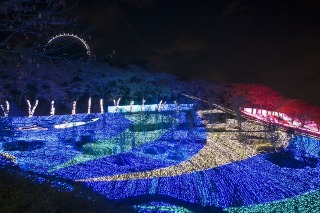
<point>26,25</point>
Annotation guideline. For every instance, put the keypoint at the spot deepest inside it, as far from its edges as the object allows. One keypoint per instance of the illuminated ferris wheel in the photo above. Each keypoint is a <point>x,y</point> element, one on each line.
<point>67,45</point>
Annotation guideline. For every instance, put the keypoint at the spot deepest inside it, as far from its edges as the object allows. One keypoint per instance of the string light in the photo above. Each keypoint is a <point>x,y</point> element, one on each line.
<point>89,105</point>
<point>53,109</point>
<point>6,110</point>
<point>173,159</point>
<point>101,106</point>
<point>31,109</point>
<point>282,119</point>
<point>74,105</point>
<point>219,147</point>
<point>73,36</point>
<point>160,207</point>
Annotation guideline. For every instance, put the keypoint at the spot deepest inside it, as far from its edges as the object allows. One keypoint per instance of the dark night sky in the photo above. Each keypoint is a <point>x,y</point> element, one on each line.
<point>275,42</point>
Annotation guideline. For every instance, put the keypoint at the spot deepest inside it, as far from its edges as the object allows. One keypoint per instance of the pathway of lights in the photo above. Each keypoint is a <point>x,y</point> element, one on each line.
<point>223,148</point>
<point>249,179</point>
<point>219,147</point>
<point>247,182</point>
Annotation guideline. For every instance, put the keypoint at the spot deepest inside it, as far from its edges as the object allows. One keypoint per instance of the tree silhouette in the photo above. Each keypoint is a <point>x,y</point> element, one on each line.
<point>25,25</point>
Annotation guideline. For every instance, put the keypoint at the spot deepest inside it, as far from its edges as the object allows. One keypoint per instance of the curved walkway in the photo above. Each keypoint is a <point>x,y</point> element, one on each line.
<point>220,149</point>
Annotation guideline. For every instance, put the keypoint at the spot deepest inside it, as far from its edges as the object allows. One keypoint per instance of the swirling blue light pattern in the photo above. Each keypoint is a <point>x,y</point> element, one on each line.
<point>261,179</point>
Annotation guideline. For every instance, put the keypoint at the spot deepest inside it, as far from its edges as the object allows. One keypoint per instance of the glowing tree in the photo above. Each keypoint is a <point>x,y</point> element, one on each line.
<point>238,98</point>
<point>102,80</point>
<point>34,89</point>
<point>89,80</point>
<point>23,83</point>
<point>98,81</point>
<point>178,89</point>
<point>55,85</point>
<point>119,86</point>
<point>75,87</point>
<point>141,85</point>
<point>263,97</point>
<point>160,89</point>
<point>316,116</point>
<point>299,111</point>
<point>137,83</point>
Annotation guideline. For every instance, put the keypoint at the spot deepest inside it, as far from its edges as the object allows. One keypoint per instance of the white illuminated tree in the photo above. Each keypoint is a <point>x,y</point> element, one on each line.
<point>141,85</point>
<point>90,88</point>
<point>55,85</point>
<point>99,80</point>
<point>35,87</point>
<point>22,84</point>
<point>5,94</point>
<point>119,86</point>
<point>75,87</point>
<point>161,87</point>
<point>179,90</point>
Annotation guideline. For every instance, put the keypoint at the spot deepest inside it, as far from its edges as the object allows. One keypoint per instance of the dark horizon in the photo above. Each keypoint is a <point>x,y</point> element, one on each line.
<point>276,43</point>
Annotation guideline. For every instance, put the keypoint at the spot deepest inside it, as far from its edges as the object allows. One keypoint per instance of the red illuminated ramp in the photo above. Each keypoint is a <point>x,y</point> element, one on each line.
<point>282,119</point>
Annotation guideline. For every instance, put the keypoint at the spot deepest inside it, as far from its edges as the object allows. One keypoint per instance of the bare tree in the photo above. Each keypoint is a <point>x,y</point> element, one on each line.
<point>75,85</point>
<point>25,25</point>
<point>5,95</point>
<point>161,86</point>
<point>54,86</point>
<point>140,85</point>
<point>98,80</point>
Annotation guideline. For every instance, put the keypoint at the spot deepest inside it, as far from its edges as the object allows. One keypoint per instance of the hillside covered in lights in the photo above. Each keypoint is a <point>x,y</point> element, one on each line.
<point>138,113</point>
<point>170,157</point>
<point>149,140</point>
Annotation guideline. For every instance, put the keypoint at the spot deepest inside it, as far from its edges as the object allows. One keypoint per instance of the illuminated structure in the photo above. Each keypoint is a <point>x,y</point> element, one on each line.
<point>66,35</point>
<point>282,119</point>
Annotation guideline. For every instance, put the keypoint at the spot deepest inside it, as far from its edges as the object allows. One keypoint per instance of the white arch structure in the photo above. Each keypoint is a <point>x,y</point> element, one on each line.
<point>73,36</point>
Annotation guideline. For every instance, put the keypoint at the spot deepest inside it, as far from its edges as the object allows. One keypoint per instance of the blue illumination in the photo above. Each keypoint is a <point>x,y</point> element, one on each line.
<point>252,181</point>
<point>149,108</point>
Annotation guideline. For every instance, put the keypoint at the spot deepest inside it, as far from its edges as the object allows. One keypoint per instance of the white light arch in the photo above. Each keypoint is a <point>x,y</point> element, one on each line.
<point>84,43</point>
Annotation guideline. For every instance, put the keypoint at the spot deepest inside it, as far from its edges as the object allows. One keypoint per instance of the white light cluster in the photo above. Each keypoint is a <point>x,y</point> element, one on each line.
<point>89,105</point>
<point>31,109</point>
<point>10,157</point>
<point>53,109</point>
<point>101,106</point>
<point>74,105</point>
<point>6,110</point>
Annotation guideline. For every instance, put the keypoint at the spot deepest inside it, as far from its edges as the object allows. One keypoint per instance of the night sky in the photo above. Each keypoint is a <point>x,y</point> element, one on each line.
<point>274,42</point>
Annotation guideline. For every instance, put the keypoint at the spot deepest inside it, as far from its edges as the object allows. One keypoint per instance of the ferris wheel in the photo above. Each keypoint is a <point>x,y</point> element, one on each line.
<point>65,41</point>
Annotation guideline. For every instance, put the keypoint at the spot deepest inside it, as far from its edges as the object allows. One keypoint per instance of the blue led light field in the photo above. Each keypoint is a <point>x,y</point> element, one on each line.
<point>127,156</point>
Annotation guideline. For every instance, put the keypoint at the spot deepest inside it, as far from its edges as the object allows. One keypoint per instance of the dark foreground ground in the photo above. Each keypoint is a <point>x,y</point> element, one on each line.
<point>20,194</point>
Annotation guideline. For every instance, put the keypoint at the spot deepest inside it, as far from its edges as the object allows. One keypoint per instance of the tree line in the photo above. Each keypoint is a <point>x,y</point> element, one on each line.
<point>64,84</point>
<point>54,83</point>
<point>263,97</point>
